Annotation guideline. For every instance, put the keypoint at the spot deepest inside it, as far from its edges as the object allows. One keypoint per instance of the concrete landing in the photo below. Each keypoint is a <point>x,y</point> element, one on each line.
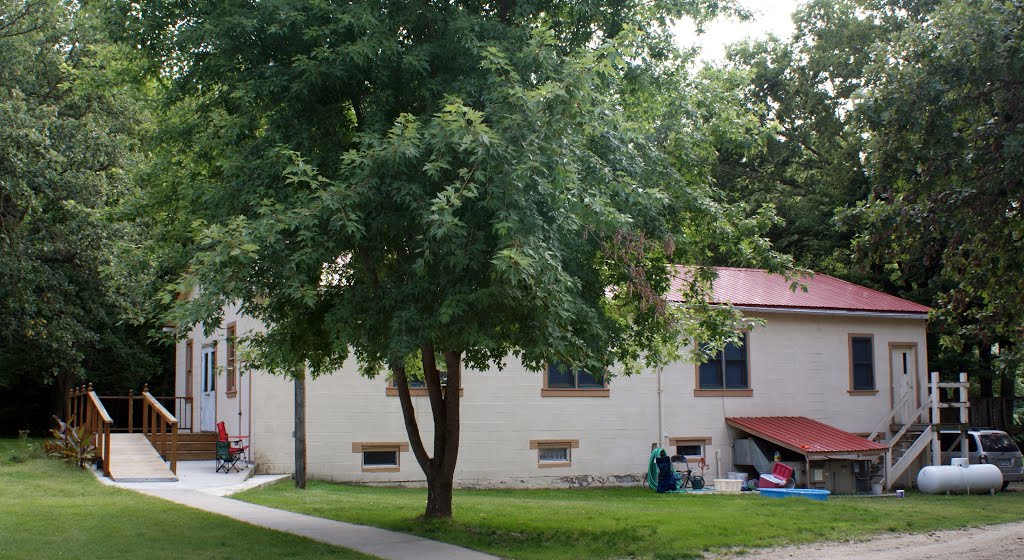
<point>133,459</point>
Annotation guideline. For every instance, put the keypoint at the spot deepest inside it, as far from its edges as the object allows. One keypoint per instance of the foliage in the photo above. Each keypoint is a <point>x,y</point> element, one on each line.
<point>26,450</point>
<point>51,510</point>
<point>636,522</point>
<point>946,140</point>
<point>75,445</point>
<point>68,140</point>
<point>889,154</point>
<point>451,179</point>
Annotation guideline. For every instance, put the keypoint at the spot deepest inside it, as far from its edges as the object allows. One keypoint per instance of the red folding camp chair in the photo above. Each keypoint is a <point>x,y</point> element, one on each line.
<point>230,449</point>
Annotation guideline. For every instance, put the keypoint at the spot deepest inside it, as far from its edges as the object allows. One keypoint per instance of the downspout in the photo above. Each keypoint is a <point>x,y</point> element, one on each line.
<point>661,434</point>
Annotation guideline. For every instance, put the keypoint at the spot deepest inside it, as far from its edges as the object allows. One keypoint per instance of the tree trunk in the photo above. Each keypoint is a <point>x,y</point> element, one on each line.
<point>985,356</point>
<point>444,407</point>
<point>300,429</point>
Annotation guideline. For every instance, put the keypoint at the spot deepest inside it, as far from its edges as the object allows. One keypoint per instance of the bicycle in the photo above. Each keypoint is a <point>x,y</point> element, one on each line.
<point>686,477</point>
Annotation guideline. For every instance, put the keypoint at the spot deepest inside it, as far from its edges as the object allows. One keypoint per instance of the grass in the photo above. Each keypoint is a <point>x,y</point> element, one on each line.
<point>635,522</point>
<point>48,510</point>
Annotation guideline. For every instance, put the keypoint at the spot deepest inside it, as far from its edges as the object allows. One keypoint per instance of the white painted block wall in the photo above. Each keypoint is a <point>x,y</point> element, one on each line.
<point>799,366</point>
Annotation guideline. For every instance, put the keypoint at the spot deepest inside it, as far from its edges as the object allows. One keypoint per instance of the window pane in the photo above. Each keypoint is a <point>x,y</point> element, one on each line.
<point>588,380</point>
<point>553,454</point>
<point>734,352</point>
<point>863,377</point>
<point>380,458</point>
<point>736,374</point>
<point>560,377</point>
<point>861,348</point>
<point>690,450</point>
<point>1000,443</point>
<point>417,383</point>
<point>710,376</point>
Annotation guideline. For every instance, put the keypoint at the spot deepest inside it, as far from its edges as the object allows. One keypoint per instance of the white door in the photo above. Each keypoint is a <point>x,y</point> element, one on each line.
<point>903,368</point>
<point>208,402</point>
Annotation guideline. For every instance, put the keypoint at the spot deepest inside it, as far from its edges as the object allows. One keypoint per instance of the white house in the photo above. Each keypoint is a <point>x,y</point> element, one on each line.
<point>838,354</point>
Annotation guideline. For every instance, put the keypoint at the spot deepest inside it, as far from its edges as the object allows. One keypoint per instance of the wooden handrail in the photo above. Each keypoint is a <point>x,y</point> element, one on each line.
<point>85,408</point>
<point>885,421</point>
<point>153,411</point>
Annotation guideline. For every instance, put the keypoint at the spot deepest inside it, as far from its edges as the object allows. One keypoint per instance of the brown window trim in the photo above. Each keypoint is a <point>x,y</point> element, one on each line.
<point>398,446</point>
<point>874,366</point>
<point>231,361</point>
<point>703,441</point>
<point>546,391</point>
<point>569,443</point>
<point>189,367</point>
<point>748,392</point>
<point>392,391</point>
<point>723,392</point>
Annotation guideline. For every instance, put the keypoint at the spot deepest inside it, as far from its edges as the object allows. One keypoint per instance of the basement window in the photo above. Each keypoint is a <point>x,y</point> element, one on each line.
<point>693,448</point>
<point>554,453</point>
<point>380,456</point>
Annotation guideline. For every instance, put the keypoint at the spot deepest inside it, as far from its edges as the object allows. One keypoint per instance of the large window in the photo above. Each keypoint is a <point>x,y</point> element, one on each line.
<point>862,364</point>
<point>728,371</point>
<point>560,380</point>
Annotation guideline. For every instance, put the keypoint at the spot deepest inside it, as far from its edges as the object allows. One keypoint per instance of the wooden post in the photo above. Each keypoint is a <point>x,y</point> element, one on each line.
<point>964,411</point>
<point>174,447</point>
<point>300,429</point>
<point>131,409</point>
<point>106,451</point>
<point>163,437</point>
<point>935,420</point>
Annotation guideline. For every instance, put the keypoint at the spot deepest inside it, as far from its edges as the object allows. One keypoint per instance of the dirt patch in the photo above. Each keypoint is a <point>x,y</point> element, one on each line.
<point>994,541</point>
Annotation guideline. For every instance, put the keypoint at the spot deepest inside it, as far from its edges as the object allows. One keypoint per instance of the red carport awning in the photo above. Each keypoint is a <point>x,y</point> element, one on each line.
<point>806,436</point>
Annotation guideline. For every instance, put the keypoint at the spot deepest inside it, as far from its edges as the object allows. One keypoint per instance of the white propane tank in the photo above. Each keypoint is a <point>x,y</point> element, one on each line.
<point>956,478</point>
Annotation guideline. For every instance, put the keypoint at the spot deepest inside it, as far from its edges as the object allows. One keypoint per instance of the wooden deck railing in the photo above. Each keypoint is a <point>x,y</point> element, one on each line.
<point>123,409</point>
<point>156,421</point>
<point>84,408</point>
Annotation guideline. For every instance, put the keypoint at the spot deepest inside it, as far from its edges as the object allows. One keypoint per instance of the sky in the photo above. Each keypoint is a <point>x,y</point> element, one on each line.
<point>770,16</point>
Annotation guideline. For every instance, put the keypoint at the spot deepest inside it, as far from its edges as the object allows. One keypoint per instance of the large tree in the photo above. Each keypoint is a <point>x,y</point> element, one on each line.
<point>68,135</point>
<point>946,139</point>
<point>431,186</point>
<point>883,163</point>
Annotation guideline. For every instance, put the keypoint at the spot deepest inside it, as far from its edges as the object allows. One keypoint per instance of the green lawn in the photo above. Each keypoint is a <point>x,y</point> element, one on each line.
<point>48,510</point>
<point>634,522</point>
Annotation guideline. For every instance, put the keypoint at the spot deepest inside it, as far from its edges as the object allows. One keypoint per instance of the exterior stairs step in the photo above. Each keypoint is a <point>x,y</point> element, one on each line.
<point>192,446</point>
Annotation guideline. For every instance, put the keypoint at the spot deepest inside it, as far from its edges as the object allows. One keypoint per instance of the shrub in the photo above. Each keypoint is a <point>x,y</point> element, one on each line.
<point>75,446</point>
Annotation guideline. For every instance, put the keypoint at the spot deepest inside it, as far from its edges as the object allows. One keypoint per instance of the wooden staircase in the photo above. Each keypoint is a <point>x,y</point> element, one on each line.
<point>906,442</point>
<point>197,446</point>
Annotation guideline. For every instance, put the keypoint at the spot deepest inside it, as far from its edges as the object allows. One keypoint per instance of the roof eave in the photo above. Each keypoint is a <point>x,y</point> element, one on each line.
<point>923,316</point>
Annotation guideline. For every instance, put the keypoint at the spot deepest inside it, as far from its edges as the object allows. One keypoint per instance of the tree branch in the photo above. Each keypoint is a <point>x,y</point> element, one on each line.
<point>432,379</point>
<point>409,415</point>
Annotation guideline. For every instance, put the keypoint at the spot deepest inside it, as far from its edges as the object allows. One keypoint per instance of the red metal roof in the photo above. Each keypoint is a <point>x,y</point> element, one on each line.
<point>752,287</point>
<point>804,435</point>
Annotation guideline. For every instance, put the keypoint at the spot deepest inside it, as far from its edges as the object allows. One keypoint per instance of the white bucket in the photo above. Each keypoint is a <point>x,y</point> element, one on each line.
<point>876,489</point>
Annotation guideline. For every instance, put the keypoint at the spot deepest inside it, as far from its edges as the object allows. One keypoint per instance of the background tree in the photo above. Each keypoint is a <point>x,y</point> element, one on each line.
<point>946,137</point>
<point>454,182</point>
<point>68,136</point>
<point>883,163</point>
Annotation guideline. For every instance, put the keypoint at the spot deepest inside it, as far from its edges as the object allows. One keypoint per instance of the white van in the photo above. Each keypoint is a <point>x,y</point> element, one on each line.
<point>986,446</point>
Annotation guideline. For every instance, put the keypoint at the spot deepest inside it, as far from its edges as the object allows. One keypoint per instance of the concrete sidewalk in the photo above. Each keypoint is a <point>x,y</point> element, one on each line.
<point>201,488</point>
